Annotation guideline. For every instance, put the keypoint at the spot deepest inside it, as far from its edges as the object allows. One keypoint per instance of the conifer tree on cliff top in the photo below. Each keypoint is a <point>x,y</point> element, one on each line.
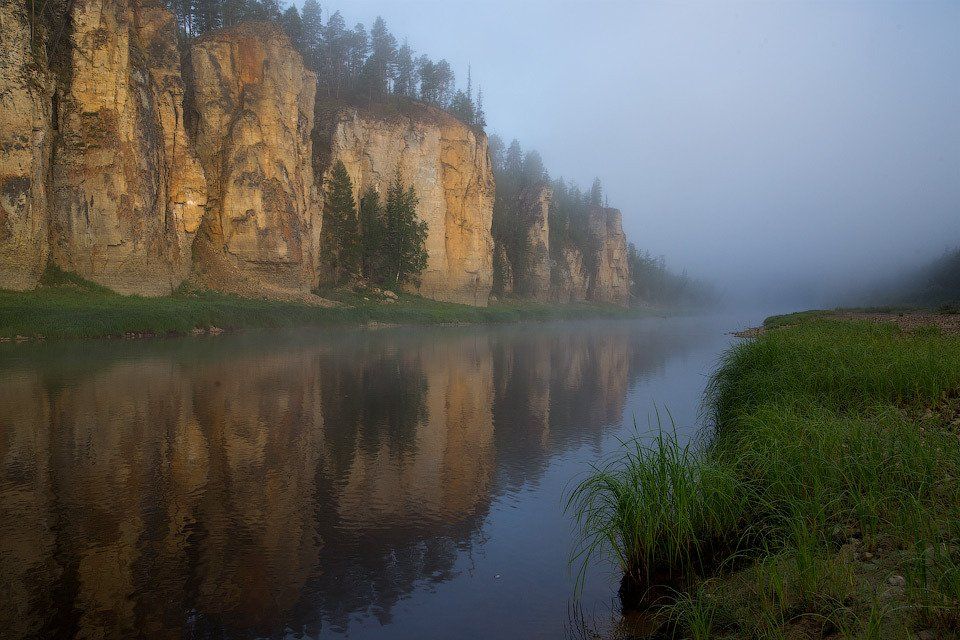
<point>341,235</point>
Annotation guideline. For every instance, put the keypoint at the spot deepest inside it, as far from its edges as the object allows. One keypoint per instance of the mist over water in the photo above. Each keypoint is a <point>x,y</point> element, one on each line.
<point>402,483</point>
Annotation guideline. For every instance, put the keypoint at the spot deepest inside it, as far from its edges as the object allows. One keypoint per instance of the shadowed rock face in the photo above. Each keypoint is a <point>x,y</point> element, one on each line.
<point>127,193</point>
<point>611,278</point>
<point>24,153</point>
<point>255,101</point>
<point>533,281</point>
<point>448,165</point>
<point>572,281</point>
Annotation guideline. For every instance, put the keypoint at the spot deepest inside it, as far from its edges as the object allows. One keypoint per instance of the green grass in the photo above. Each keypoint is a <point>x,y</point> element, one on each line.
<point>66,306</point>
<point>826,502</point>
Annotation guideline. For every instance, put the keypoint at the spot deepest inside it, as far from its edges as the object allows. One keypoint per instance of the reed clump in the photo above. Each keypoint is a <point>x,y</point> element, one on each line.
<point>827,500</point>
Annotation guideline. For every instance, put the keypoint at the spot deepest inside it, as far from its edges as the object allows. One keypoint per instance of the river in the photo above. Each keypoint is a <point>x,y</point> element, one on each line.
<point>391,483</point>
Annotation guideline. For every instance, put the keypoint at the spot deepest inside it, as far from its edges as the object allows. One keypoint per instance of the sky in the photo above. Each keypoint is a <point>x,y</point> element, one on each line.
<point>763,145</point>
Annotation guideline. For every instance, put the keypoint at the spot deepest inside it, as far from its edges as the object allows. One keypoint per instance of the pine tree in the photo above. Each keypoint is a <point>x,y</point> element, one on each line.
<point>312,28</point>
<point>470,85</point>
<point>340,227</point>
<point>462,108</point>
<point>234,12</point>
<point>358,45</point>
<point>405,83</point>
<point>333,55</point>
<point>207,15</point>
<point>480,118</point>
<point>513,158</point>
<point>404,253</point>
<point>293,26</point>
<point>381,65</point>
<point>446,81</point>
<point>497,152</point>
<point>371,236</point>
<point>596,193</point>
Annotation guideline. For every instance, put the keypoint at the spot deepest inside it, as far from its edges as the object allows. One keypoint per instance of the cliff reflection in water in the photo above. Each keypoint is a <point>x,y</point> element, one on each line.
<point>261,484</point>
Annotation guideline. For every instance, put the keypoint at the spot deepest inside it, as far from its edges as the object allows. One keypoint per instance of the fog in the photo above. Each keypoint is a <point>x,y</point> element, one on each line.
<point>776,148</point>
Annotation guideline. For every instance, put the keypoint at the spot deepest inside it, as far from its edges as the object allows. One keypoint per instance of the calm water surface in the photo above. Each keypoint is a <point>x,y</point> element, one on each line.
<point>365,484</point>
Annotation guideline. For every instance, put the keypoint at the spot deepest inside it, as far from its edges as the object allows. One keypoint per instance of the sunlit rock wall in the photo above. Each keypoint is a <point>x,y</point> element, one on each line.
<point>255,101</point>
<point>571,281</point>
<point>127,195</point>
<point>448,165</point>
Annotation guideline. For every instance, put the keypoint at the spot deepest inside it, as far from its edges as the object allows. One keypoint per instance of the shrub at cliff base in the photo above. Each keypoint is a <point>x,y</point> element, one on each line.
<point>827,503</point>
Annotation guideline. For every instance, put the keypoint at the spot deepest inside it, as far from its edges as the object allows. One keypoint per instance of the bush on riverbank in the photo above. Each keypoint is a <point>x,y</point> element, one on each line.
<point>827,502</point>
<point>66,306</point>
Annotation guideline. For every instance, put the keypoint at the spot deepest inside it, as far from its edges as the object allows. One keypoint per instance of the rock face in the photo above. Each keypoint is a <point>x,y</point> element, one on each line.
<point>25,92</point>
<point>611,274</point>
<point>571,282</point>
<point>127,193</point>
<point>533,279</point>
<point>448,165</point>
<point>255,101</point>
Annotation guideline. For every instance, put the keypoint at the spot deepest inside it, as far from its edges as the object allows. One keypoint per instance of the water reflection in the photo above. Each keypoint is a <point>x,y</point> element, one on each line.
<point>284,484</point>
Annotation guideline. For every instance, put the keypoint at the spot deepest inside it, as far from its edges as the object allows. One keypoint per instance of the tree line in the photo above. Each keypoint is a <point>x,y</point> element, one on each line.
<point>352,64</point>
<point>935,284</point>
<point>651,281</point>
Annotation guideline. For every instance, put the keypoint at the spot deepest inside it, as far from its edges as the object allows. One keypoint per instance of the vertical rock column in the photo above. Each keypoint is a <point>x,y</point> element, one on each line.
<point>533,279</point>
<point>126,192</point>
<point>611,278</point>
<point>25,92</point>
<point>255,101</point>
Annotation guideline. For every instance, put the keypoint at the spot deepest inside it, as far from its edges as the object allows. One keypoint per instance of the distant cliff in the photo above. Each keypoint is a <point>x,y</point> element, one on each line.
<point>532,266</point>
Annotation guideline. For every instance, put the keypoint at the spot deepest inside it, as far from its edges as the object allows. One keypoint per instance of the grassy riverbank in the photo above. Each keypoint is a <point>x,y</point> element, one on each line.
<point>826,504</point>
<point>68,307</point>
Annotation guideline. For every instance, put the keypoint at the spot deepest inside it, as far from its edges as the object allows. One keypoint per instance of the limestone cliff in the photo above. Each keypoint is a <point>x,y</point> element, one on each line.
<point>25,91</point>
<point>532,279</point>
<point>448,165</point>
<point>127,194</point>
<point>255,101</point>
<point>610,281</point>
